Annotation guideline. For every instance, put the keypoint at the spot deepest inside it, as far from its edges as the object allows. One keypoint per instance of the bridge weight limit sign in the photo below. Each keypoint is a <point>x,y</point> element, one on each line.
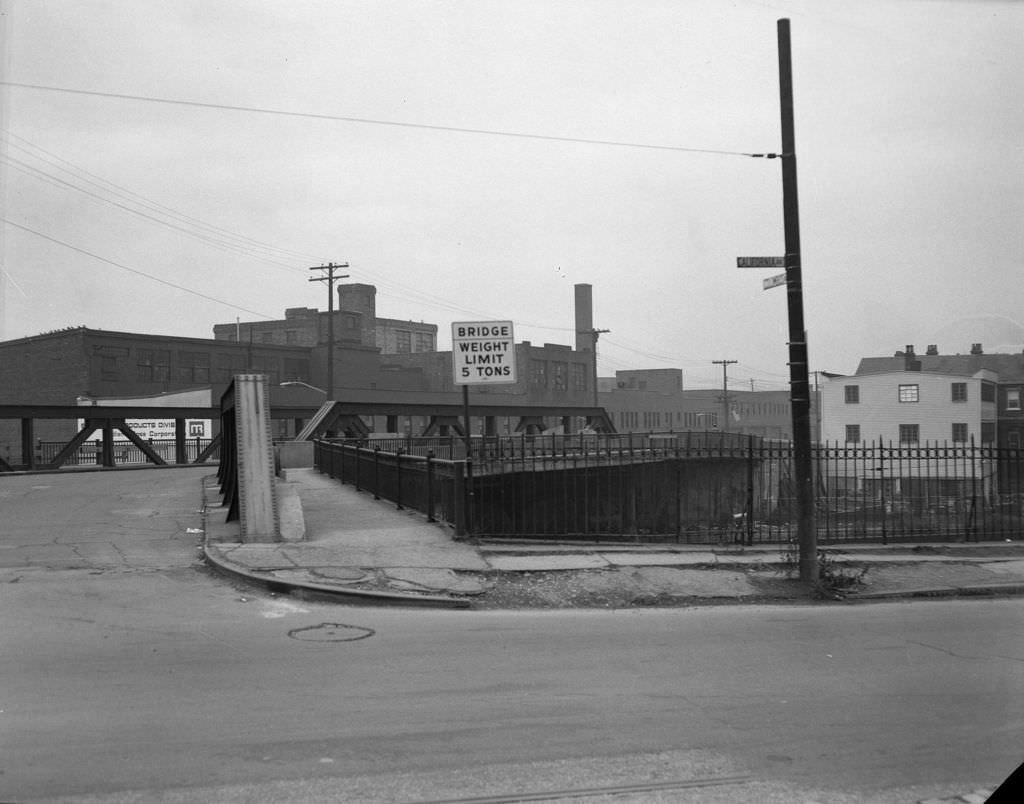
<point>483,353</point>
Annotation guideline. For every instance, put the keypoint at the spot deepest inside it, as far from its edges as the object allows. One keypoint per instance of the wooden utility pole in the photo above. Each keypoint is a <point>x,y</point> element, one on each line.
<point>329,277</point>
<point>725,391</point>
<point>800,393</point>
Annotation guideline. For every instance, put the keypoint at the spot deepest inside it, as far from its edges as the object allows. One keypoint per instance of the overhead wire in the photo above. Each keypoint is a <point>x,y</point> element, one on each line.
<point>244,242</point>
<point>136,271</point>
<point>105,185</point>
<point>17,164</point>
<point>378,122</point>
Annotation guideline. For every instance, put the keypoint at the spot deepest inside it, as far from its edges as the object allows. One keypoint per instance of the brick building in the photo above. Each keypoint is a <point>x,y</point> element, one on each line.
<point>654,400</point>
<point>370,354</point>
<point>355,324</point>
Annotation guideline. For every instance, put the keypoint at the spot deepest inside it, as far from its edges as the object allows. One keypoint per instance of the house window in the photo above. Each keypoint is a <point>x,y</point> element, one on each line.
<point>194,367</point>
<point>909,393</point>
<point>852,394</point>
<point>266,337</point>
<point>579,376</point>
<point>108,368</point>
<point>853,434</point>
<point>560,376</point>
<point>910,433</point>
<point>154,365</point>
<point>403,341</point>
<point>291,336</point>
<point>424,342</point>
<point>538,373</point>
<point>959,391</point>
<point>988,392</point>
<point>959,432</point>
<point>1013,439</point>
<point>988,432</point>
<point>1013,398</point>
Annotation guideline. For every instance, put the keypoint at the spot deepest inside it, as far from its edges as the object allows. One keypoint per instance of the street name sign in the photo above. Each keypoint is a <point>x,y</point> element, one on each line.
<point>483,352</point>
<point>774,281</point>
<point>760,262</point>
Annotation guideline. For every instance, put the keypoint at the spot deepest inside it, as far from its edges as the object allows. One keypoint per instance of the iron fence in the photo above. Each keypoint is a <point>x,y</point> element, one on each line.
<point>695,488</point>
<point>125,452</point>
<point>433,486</point>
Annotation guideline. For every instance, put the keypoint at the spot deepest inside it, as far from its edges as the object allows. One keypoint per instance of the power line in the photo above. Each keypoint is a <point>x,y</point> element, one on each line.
<point>135,270</point>
<point>17,164</point>
<point>143,207</point>
<point>377,122</point>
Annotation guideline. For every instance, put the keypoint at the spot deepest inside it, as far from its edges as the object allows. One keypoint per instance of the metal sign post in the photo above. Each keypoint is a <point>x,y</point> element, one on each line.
<point>483,353</point>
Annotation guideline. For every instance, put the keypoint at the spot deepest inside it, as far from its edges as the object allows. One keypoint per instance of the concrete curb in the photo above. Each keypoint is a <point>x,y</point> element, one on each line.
<point>354,596</point>
<point>997,589</point>
<point>340,594</point>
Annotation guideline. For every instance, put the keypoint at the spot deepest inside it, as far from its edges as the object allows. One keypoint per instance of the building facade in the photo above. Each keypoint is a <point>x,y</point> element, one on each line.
<point>369,355</point>
<point>911,408</point>
<point>1001,378</point>
<point>355,323</point>
<point>654,400</point>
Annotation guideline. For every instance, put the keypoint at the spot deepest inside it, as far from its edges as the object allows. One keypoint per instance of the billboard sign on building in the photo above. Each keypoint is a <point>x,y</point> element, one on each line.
<point>483,352</point>
<point>158,429</point>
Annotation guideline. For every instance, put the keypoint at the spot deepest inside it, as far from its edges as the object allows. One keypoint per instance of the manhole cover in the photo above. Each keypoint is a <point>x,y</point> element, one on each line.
<point>331,632</point>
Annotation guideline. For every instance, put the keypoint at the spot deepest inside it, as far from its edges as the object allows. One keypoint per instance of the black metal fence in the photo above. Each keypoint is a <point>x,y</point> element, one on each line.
<point>125,452</point>
<point>434,486</point>
<point>693,488</point>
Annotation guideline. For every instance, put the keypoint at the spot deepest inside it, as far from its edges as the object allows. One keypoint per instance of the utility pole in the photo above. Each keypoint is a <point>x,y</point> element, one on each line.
<point>725,391</point>
<point>329,277</point>
<point>594,334</point>
<point>800,393</point>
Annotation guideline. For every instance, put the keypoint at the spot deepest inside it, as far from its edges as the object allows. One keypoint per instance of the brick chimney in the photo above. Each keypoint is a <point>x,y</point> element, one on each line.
<point>910,361</point>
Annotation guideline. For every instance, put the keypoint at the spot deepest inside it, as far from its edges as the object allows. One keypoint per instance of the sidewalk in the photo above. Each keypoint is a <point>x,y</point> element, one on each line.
<point>343,543</point>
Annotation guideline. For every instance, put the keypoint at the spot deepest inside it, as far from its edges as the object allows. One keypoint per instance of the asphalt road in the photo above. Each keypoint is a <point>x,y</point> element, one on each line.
<point>129,673</point>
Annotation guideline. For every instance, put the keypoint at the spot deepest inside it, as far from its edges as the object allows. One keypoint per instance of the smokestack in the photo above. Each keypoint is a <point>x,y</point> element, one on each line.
<point>584,318</point>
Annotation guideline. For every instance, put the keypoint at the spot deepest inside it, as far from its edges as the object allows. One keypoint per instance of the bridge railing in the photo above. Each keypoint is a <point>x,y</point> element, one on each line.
<point>126,453</point>
<point>434,486</point>
<point>670,489</point>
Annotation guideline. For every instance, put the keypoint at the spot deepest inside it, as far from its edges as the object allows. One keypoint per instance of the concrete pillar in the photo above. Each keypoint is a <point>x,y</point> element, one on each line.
<point>257,510</point>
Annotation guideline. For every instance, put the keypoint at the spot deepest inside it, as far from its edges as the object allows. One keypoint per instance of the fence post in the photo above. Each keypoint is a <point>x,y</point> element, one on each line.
<point>398,480</point>
<point>430,486</point>
<point>358,459</point>
<point>971,521</point>
<point>470,525</point>
<point>750,491</point>
<point>376,473</point>
<point>459,499</point>
<point>881,485</point>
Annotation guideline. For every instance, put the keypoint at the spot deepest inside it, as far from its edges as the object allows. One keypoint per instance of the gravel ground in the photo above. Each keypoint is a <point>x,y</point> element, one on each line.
<point>625,588</point>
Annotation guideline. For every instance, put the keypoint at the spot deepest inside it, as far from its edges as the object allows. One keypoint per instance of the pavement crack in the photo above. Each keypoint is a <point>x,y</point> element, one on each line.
<point>962,655</point>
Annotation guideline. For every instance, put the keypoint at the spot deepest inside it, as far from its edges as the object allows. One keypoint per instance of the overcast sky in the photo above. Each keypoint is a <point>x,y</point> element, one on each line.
<point>172,165</point>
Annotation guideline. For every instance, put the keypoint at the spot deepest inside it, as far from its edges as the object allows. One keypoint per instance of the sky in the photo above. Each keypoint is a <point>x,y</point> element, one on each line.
<point>167,166</point>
